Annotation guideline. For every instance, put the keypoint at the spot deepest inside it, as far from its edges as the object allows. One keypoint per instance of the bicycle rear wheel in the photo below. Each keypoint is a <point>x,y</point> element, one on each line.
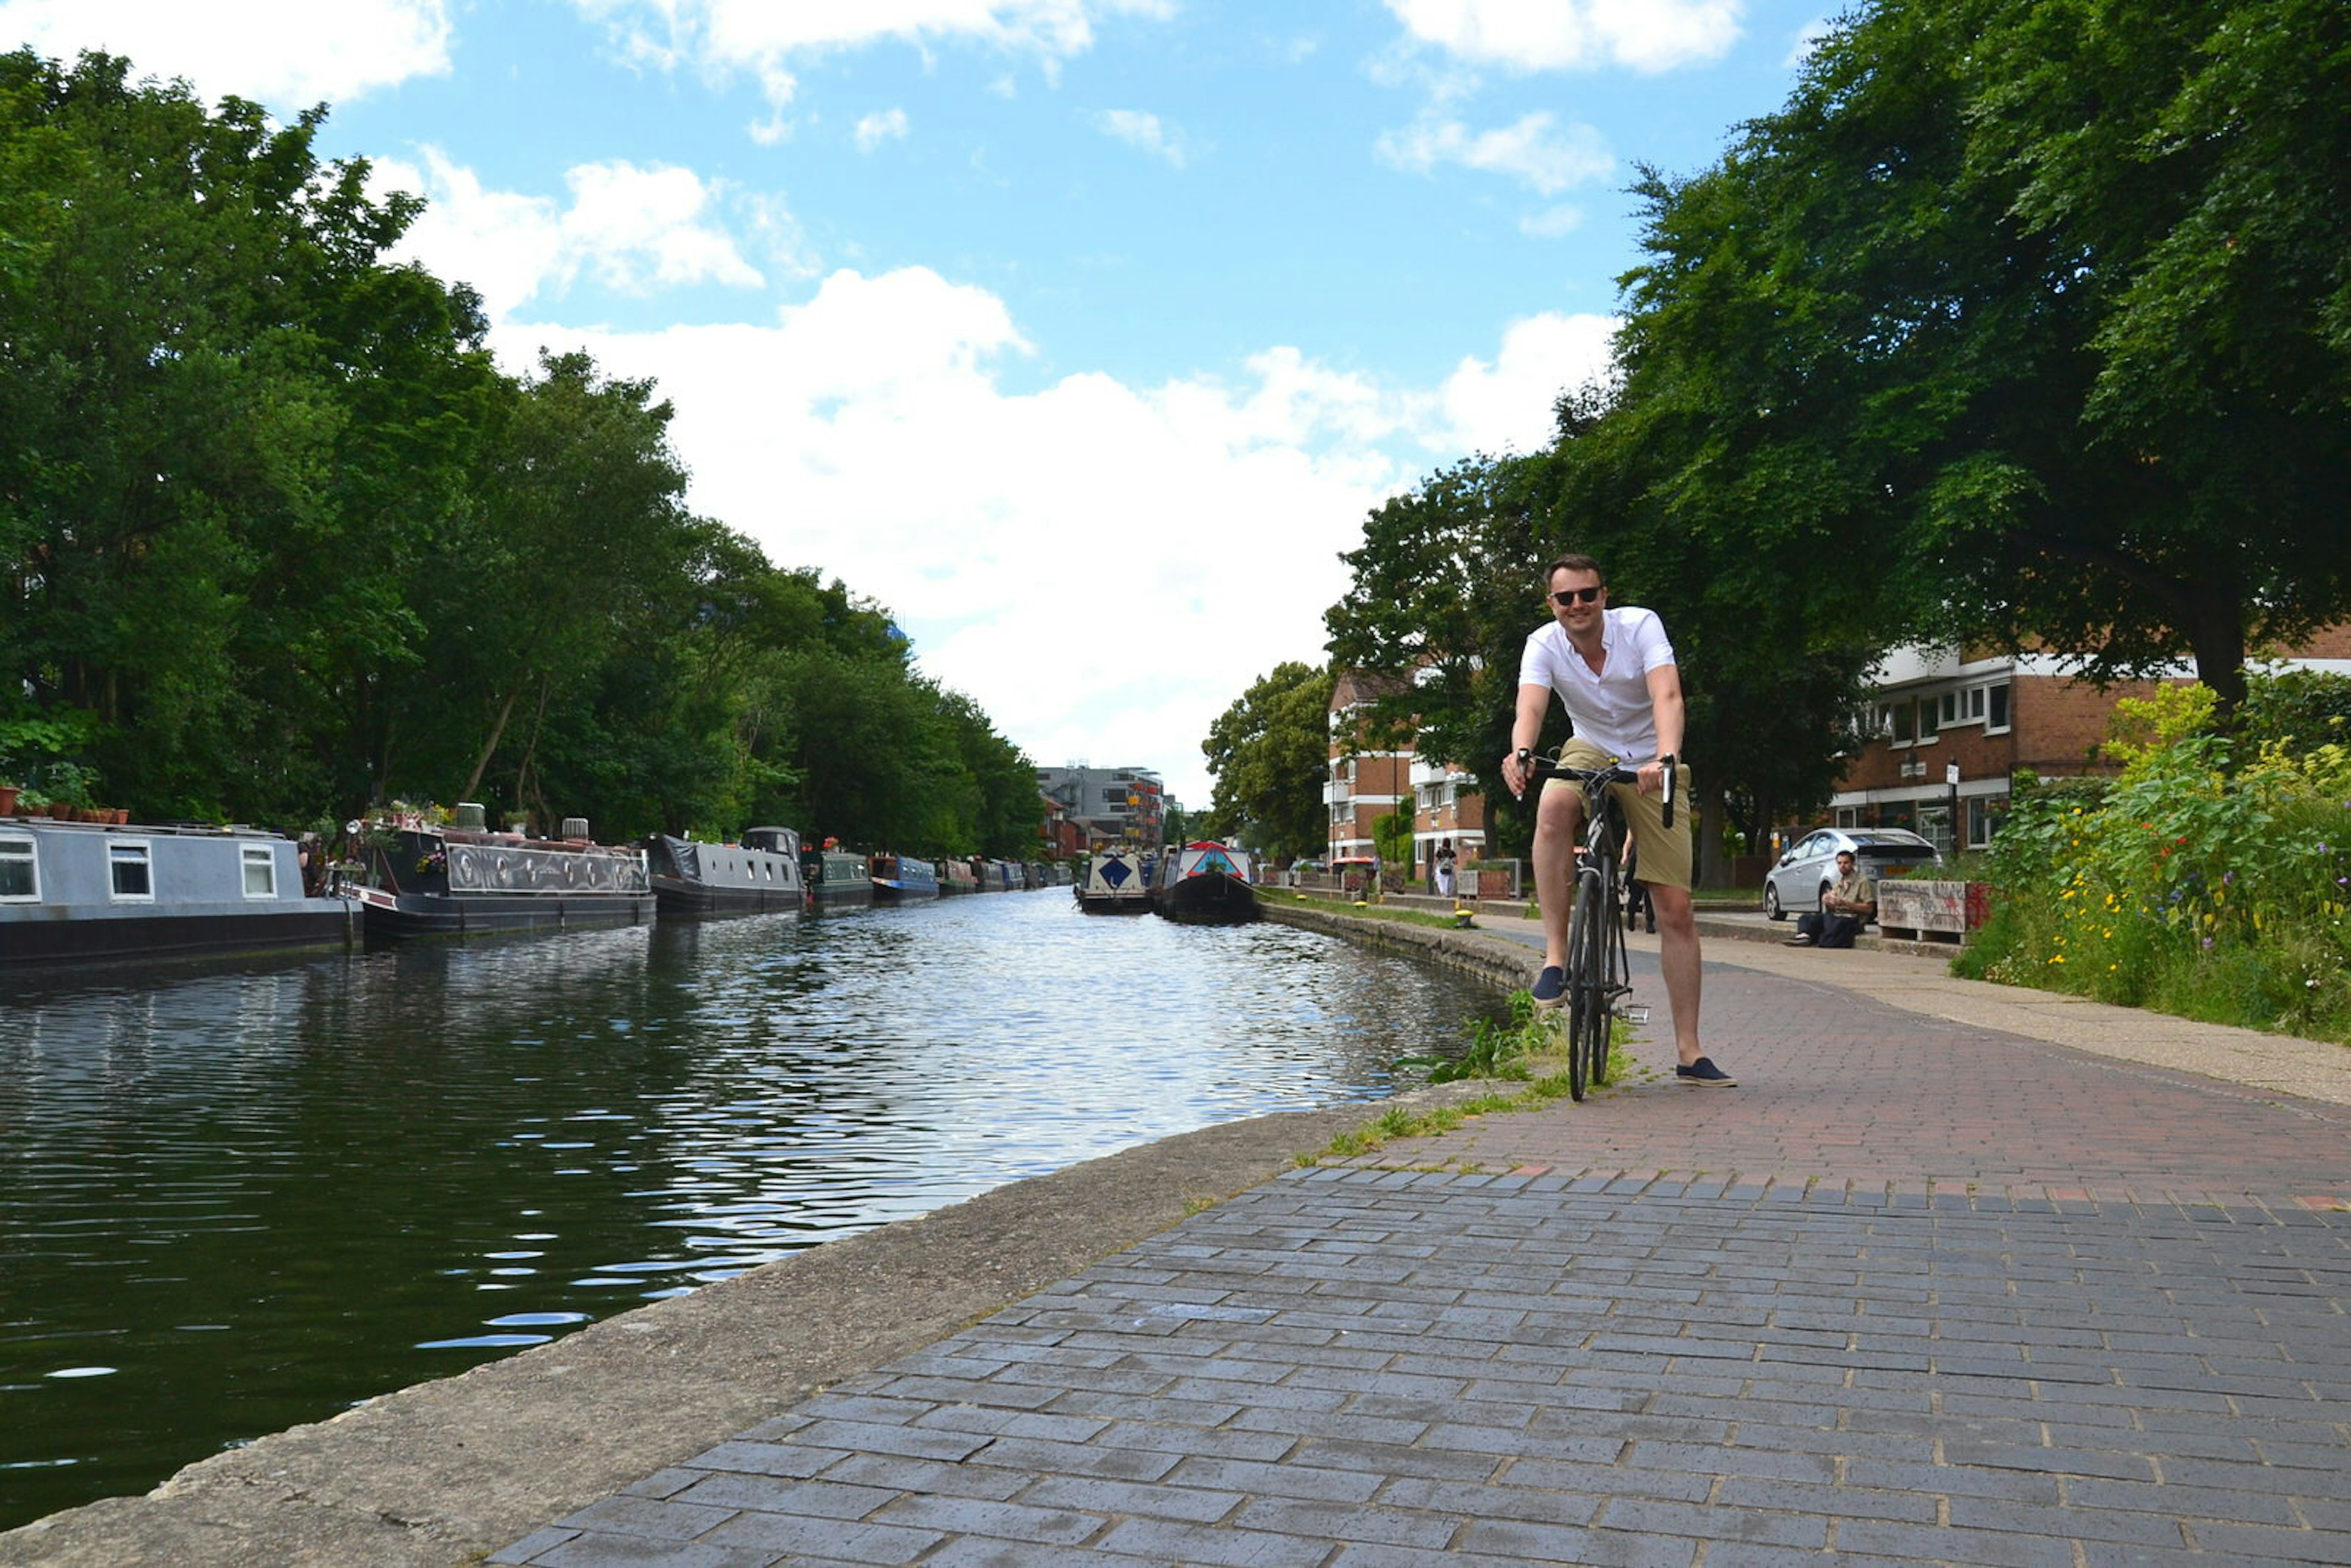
<point>1589,926</point>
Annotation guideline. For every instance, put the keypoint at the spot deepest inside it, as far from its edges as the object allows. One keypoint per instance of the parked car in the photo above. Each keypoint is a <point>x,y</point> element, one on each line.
<point>1809,867</point>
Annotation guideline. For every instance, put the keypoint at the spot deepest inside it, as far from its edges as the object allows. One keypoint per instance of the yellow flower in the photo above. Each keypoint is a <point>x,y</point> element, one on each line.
<point>2057,958</point>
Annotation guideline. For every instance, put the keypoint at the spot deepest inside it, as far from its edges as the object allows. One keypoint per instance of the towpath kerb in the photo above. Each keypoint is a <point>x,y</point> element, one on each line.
<point>1401,1375</point>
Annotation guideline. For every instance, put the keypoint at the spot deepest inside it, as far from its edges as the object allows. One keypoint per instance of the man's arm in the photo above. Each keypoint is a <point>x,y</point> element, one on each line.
<point>1526,728</point>
<point>1666,709</point>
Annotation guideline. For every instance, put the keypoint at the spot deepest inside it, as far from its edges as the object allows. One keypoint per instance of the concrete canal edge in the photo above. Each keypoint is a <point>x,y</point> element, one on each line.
<point>1496,960</point>
<point>445,1472</point>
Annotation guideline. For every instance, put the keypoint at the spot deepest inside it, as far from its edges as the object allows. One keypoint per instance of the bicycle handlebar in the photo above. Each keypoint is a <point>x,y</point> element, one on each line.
<point>1537,765</point>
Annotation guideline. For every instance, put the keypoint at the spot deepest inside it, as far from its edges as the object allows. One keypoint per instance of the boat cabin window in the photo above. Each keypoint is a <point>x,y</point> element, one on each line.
<point>20,872</point>
<point>260,871</point>
<point>133,875</point>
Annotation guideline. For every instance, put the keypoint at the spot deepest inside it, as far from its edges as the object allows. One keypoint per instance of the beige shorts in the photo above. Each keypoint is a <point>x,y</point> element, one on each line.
<point>1663,853</point>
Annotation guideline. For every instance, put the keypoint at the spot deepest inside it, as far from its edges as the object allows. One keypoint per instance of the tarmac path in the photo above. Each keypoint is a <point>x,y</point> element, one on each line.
<point>1956,1274</point>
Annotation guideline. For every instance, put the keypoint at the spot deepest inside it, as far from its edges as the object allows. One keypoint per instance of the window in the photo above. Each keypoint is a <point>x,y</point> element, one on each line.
<point>1903,731</point>
<point>1975,702</point>
<point>260,871</point>
<point>1950,710</point>
<point>1996,717</point>
<point>20,871</point>
<point>1925,720</point>
<point>133,876</point>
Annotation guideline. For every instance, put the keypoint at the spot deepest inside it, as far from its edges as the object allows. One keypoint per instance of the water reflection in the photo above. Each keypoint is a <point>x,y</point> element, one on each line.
<point>233,1202</point>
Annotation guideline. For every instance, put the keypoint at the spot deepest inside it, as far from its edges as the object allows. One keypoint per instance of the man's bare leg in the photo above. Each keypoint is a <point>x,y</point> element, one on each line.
<point>1677,956</point>
<point>1559,823</point>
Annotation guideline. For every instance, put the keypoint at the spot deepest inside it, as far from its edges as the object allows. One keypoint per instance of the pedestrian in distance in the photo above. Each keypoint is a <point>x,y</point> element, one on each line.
<point>1614,671</point>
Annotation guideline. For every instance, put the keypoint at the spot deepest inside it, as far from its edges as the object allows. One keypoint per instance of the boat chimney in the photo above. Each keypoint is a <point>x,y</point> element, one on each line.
<point>575,828</point>
<point>470,815</point>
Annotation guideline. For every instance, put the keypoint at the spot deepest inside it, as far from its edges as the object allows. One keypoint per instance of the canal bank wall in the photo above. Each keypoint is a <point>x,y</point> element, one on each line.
<point>1466,949</point>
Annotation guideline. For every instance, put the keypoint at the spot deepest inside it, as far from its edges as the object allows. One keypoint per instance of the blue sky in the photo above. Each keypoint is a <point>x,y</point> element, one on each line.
<point>1082,334</point>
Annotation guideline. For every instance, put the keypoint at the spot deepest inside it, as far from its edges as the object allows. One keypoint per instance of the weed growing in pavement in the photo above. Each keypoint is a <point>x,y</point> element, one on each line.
<point>1494,1051</point>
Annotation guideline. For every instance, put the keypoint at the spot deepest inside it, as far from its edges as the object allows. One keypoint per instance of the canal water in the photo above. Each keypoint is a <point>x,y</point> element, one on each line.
<point>233,1202</point>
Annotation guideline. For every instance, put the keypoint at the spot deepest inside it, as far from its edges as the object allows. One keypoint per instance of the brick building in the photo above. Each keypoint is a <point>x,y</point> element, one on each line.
<point>1366,785</point>
<point>1950,731</point>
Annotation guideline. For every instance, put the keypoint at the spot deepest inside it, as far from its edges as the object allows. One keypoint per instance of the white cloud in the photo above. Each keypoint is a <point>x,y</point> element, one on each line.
<point>631,229</point>
<point>1538,150</point>
<point>1506,406</point>
<point>284,53</point>
<point>1102,567</point>
<point>770,41</point>
<point>1144,132</point>
<point>875,128</point>
<point>1567,34</point>
<point>1552,223</point>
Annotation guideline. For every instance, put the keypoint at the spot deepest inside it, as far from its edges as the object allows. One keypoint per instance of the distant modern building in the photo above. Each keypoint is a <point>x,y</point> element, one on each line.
<point>1109,805</point>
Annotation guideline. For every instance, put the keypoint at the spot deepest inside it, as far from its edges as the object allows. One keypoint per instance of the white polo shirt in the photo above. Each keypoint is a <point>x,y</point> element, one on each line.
<point>1611,708</point>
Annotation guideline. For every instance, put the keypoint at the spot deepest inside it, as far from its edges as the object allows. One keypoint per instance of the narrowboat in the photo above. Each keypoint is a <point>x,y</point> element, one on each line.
<point>83,892</point>
<point>1117,882</point>
<point>762,872</point>
<point>960,876</point>
<point>902,879</point>
<point>1206,883</point>
<point>835,877</point>
<point>428,879</point>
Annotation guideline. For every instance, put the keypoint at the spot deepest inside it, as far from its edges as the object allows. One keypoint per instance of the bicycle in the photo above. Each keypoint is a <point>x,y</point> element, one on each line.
<point>1598,974</point>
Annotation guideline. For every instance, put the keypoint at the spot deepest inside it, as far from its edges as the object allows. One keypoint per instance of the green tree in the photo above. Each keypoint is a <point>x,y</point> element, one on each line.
<point>196,323</point>
<point>575,546</point>
<point>1269,755</point>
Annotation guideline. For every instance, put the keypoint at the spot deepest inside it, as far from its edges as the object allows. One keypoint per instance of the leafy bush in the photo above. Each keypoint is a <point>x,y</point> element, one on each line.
<point>2193,883</point>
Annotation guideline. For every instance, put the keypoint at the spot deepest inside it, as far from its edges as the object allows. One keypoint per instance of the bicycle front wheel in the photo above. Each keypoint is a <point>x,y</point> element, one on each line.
<point>1589,926</point>
<point>1613,970</point>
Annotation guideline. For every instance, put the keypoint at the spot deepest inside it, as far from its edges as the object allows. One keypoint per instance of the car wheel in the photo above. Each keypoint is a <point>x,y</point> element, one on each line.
<point>1771,909</point>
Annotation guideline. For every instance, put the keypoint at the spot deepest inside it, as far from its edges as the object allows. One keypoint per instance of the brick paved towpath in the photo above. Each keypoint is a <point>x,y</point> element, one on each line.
<point>1924,1287</point>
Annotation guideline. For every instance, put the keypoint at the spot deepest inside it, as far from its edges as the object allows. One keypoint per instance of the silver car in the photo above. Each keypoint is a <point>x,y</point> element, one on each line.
<point>1809,868</point>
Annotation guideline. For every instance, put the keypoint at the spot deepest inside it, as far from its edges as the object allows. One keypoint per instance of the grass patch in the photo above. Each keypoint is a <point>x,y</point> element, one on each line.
<point>1361,911</point>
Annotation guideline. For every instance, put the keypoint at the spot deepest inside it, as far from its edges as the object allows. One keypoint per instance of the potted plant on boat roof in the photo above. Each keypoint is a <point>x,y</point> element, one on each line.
<point>67,784</point>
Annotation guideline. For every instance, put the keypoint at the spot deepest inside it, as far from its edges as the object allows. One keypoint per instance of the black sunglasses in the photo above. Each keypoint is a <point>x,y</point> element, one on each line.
<point>1567,596</point>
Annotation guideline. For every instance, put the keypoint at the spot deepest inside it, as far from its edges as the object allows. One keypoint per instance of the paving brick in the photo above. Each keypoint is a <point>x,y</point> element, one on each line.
<point>887,1545</point>
<point>626,1551</point>
<point>1201,1546</point>
<point>656,1520</point>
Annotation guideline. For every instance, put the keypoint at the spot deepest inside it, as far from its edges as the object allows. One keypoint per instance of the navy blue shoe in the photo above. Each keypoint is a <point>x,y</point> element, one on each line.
<point>1551,987</point>
<point>1703,1072</point>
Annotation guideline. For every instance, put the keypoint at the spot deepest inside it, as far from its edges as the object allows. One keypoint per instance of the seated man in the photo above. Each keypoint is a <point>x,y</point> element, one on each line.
<point>1844,909</point>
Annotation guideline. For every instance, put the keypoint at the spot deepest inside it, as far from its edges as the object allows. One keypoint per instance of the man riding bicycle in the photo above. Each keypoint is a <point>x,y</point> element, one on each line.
<point>1615,670</point>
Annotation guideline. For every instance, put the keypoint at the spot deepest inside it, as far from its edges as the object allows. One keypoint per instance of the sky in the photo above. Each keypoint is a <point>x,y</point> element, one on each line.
<point>1080,335</point>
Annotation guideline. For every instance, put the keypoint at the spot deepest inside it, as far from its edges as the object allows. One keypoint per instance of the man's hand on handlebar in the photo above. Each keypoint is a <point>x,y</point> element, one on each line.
<point>1656,778</point>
